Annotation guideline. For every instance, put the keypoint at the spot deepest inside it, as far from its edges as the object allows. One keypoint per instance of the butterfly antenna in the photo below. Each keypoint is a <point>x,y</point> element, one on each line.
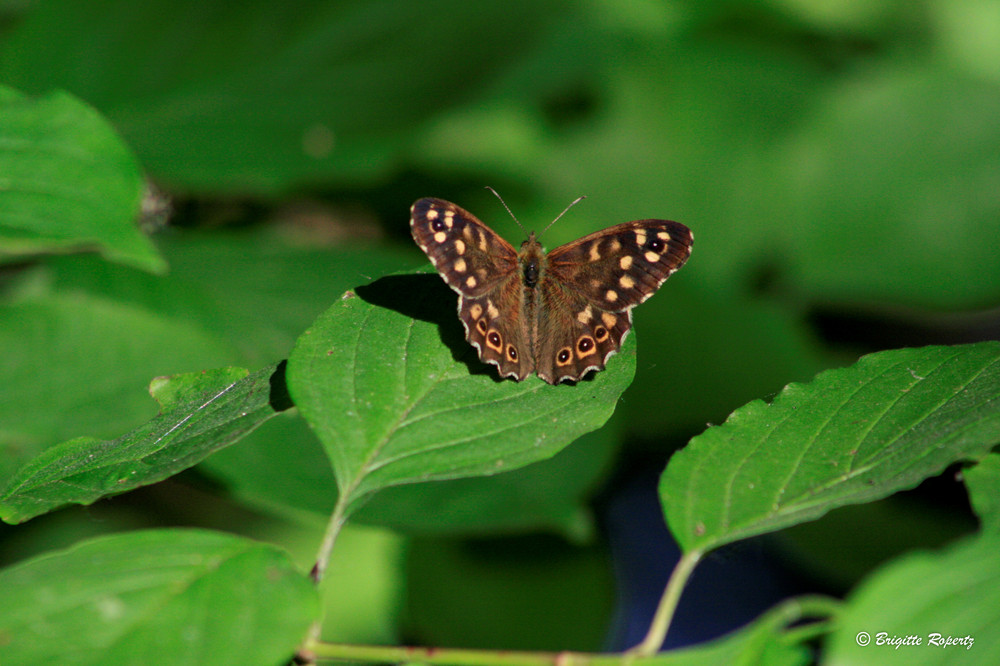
<point>575,202</point>
<point>497,195</point>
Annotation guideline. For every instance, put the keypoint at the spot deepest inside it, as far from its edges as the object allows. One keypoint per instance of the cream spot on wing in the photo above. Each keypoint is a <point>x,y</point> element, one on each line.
<point>460,246</point>
<point>491,310</point>
<point>482,241</point>
<point>652,257</point>
<point>470,282</point>
<point>594,250</point>
<point>440,237</point>
<point>615,245</point>
<point>625,262</point>
<point>449,218</point>
<point>432,214</point>
<point>611,296</point>
<point>626,282</point>
<point>460,265</point>
<point>467,232</point>
<point>595,284</point>
<point>663,235</point>
<point>640,237</point>
<point>476,311</point>
<point>585,315</point>
<point>609,319</point>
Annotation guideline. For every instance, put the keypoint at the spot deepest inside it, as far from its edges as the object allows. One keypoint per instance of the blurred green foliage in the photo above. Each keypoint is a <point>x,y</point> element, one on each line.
<point>831,158</point>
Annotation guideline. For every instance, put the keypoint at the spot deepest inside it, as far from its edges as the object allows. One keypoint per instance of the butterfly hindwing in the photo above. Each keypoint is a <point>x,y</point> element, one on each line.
<point>575,336</point>
<point>495,326</point>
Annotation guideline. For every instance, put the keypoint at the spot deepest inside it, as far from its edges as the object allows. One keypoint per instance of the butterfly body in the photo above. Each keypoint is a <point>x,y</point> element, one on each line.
<point>560,314</point>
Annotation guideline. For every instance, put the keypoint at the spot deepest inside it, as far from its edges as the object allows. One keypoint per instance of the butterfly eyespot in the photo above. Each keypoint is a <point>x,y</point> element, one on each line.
<point>585,345</point>
<point>494,341</point>
<point>655,244</point>
<point>438,225</point>
<point>563,356</point>
<point>601,334</point>
<point>512,353</point>
<point>481,326</point>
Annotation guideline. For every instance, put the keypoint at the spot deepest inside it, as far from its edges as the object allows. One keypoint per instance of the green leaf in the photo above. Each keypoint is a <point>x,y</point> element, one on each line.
<point>334,93</point>
<point>85,469</point>
<point>172,392</point>
<point>983,482</point>
<point>282,468</point>
<point>931,597</point>
<point>764,642</point>
<point>207,268</point>
<point>397,396</point>
<point>87,359</point>
<point>550,495</point>
<point>852,435</point>
<point>906,172</point>
<point>69,183</point>
<point>167,596</point>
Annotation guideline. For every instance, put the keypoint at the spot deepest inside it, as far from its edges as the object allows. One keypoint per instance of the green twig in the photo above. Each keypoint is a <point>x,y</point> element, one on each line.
<point>337,520</point>
<point>789,612</point>
<point>316,650</point>
<point>668,604</point>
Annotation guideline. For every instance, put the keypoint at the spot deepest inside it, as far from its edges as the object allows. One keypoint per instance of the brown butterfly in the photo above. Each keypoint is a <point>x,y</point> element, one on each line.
<point>560,314</point>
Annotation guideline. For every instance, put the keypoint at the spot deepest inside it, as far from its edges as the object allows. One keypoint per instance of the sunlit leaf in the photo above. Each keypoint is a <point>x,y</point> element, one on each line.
<point>216,412</point>
<point>925,608</point>
<point>397,396</point>
<point>851,435</point>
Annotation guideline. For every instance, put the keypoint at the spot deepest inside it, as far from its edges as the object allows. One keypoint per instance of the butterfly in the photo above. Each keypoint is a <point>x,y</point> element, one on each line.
<point>561,314</point>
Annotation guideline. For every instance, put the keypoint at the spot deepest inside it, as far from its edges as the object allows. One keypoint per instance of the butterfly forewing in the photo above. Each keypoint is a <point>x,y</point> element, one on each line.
<point>622,266</point>
<point>483,268</point>
<point>470,256</point>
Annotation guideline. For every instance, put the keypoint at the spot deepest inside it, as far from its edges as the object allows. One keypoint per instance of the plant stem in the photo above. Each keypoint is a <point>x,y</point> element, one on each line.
<point>337,520</point>
<point>789,612</point>
<point>457,657</point>
<point>796,609</point>
<point>668,604</point>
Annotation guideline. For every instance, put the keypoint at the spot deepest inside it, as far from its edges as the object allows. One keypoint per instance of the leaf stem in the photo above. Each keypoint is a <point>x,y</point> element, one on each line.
<point>337,520</point>
<point>668,604</point>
